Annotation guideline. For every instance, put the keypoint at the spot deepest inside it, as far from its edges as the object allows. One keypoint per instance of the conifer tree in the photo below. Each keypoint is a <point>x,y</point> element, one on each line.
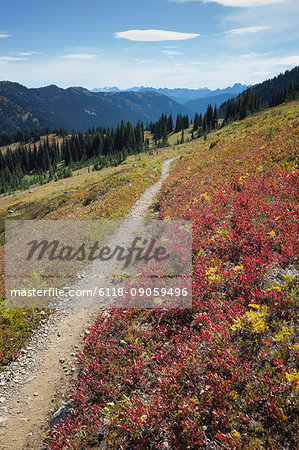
<point>170,125</point>
<point>196,122</point>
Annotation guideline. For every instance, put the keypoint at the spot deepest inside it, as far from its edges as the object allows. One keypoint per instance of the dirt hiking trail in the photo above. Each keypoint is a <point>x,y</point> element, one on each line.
<point>34,385</point>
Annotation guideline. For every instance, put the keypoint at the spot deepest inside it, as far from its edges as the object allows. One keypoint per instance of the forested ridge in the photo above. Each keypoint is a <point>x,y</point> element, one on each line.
<point>273,92</point>
<point>46,161</point>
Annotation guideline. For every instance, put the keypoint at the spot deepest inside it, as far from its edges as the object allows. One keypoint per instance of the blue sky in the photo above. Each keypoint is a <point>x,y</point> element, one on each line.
<point>159,43</point>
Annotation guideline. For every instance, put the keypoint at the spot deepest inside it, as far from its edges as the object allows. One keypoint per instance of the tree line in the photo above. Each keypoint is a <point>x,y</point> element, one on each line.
<point>42,162</point>
<point>285,95</point>
<point>165,125</point>
<point>24,136</point>
<point>273,92</point>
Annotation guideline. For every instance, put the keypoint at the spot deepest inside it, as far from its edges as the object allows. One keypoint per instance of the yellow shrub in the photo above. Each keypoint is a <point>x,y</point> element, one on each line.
<point>253,320</point>
<point>213,277</point>
<point>293,376</point>
<point>205,196</point>
<point>239,269</point>
<point>283,334</point>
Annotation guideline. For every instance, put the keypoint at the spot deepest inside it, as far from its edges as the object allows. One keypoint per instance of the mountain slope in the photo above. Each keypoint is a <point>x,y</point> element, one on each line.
<point>77,108</point>
<point>264,91</point>
<point>13,116</point>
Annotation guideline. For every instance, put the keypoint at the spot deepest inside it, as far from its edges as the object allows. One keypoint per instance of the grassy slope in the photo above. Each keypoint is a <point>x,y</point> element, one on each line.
<point>223,374</point>
<point>52,138</point>
<point>109,193</point>
<point>173,138</point>
<point>263,140</point>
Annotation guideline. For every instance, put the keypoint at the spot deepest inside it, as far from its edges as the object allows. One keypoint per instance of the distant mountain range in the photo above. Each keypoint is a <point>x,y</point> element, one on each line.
<point>77,108</point>
<point>180,95</point>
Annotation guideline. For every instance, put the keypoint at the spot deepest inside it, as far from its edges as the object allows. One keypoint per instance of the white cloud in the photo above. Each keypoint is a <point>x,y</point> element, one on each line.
<point>83,56</point>
<point>261,73</point>
<point>246,30</point>
<point>154,35</point>
<point>237,3</point>
<point>11,58</point>
<point>28,53</point>
<point>4,35</point>
<point>137,61</point>
<point>250,55</point>
<point>171,52</point>
<point>290,60</point>
<point>255,55</point>
<point>244,3</point>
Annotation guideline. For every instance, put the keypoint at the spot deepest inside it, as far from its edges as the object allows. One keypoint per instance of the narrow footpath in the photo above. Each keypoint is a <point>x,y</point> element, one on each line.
<point>34,385</point>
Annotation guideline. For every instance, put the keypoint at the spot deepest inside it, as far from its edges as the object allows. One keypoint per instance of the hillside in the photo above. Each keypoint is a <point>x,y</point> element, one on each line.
<point>264,93</point>
<point>13,117</point>
<point>77,108</point>
<point>222,374</point>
